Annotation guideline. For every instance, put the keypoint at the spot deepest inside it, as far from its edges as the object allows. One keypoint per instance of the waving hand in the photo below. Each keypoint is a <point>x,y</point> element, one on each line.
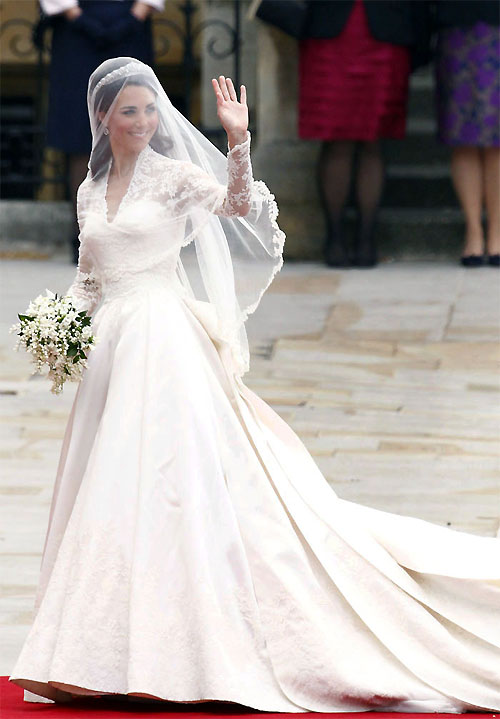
<point>233,114</point>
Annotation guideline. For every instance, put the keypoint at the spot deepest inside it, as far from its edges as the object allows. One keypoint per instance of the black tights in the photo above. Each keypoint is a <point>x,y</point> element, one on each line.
<point>335,171</point>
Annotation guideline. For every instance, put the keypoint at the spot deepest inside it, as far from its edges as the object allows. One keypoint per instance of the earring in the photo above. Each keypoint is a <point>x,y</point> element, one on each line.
<point>106,131</point>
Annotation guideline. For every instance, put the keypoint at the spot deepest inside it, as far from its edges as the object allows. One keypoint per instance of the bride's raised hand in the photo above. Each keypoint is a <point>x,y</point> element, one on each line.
<point>233,114</point>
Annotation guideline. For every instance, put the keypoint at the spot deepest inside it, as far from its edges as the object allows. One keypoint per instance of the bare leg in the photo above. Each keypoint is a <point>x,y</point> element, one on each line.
<point>491,174</point>
<point>77,173</point>
<point>334,178</point>
<point>467,176</point>
<point>369,187</point>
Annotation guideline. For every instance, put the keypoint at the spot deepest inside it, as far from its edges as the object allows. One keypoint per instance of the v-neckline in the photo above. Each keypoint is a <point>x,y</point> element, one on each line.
<point>125,194</point>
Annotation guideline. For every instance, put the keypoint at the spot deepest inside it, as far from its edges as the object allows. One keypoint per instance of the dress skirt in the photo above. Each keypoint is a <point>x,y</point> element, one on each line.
<point>352,87</point>
<point>74,58</point>
<point>196,552</point>
<point>468,85</point>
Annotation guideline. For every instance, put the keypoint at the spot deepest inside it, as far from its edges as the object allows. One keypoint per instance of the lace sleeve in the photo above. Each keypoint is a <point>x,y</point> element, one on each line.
<point>86,286</point>
<point>239,181</point>
<point>199,188</point>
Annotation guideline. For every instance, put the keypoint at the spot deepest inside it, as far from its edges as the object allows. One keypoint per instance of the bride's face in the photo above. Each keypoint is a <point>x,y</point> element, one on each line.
<point>134,119</point>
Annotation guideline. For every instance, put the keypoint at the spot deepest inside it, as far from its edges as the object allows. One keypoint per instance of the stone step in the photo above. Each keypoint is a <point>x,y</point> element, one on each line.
<point>421,125</point>
<point>417,233</point>
<point>407,185</point>
<point>422,79</point>
<point>419,146</point>
<point>42,224</point>
<point>419,186</point>
<point>28,228</point>
<point>407,182</point>
<point>402,234</point>
<point>422,100</point>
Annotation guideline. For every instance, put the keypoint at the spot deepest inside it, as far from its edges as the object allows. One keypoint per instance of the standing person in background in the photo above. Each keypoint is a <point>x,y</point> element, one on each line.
<point>355,61</point>
<point>468,101</point>
<point>85,33</point>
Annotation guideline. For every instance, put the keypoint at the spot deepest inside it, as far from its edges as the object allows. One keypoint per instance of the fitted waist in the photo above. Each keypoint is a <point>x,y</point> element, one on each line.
<point>130,283</point>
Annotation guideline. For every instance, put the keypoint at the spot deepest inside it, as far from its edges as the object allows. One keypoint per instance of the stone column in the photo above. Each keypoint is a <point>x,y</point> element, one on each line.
<point>286,163</point>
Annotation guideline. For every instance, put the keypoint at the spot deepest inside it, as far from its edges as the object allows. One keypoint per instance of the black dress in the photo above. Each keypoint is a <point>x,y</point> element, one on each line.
<point>74,57</point>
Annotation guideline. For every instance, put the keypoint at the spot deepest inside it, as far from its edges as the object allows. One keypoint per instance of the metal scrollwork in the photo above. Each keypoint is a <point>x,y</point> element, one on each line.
<point>162,40</point>
<point>189,34</point>
<point>18,34</point>
<point>212,42</point>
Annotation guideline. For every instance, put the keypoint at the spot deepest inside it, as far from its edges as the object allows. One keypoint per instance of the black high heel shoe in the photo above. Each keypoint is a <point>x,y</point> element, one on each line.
<point>365,249</point>
<point>494,260</point>
<point>365,260</point>
<point>472,260</point>
<point>336,251</point>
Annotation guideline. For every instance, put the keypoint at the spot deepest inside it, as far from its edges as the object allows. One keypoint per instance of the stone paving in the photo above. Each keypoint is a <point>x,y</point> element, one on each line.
<point>389,376</point>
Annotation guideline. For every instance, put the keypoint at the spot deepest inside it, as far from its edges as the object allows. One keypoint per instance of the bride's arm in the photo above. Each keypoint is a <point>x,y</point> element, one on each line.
<point>233,115</point>
<point>192,187</point>
<point>239,181</point>
<point>86,286</point>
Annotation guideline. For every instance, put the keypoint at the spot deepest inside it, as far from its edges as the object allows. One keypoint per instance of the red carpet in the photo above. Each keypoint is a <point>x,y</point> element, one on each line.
<point>12,706</point>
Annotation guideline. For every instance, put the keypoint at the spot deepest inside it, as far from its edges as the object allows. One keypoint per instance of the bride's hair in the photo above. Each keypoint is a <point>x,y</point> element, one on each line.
<point>104,99</point>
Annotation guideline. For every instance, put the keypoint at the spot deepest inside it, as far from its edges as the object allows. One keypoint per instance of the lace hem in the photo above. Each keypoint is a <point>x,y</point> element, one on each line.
<point>278,239</point>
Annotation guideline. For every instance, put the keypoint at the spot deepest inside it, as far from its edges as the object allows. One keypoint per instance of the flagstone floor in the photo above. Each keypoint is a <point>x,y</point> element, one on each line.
<point>390,377</point>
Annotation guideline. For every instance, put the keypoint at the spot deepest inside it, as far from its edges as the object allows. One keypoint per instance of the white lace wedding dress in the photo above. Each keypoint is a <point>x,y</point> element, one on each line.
<point>194,549</point>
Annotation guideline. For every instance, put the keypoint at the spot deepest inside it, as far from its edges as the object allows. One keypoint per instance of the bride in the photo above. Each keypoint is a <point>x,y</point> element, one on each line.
<point>194,551</point>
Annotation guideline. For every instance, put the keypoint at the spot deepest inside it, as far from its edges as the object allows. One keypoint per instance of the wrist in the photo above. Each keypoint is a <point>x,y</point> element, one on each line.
<point>141,10</point>
<point>72,13</point>
<point>236,138</point>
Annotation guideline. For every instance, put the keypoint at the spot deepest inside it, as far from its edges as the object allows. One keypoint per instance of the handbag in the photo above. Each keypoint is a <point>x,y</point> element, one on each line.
<point>287,15</point>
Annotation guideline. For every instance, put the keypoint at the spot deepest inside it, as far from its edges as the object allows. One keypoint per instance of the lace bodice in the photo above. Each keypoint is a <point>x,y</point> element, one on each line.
<point>145,237</point>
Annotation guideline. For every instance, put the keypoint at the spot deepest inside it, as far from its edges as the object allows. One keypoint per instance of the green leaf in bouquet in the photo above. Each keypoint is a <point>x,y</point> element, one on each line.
<point>72,350</point>
<point>82,313</point>
<point>25,318</point>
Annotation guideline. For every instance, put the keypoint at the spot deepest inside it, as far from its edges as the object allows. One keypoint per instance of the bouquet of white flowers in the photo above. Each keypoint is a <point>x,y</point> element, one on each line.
<point>56,334</point>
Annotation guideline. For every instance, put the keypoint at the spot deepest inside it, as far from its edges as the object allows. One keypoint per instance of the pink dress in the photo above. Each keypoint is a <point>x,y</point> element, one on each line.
<point>352,87</point>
